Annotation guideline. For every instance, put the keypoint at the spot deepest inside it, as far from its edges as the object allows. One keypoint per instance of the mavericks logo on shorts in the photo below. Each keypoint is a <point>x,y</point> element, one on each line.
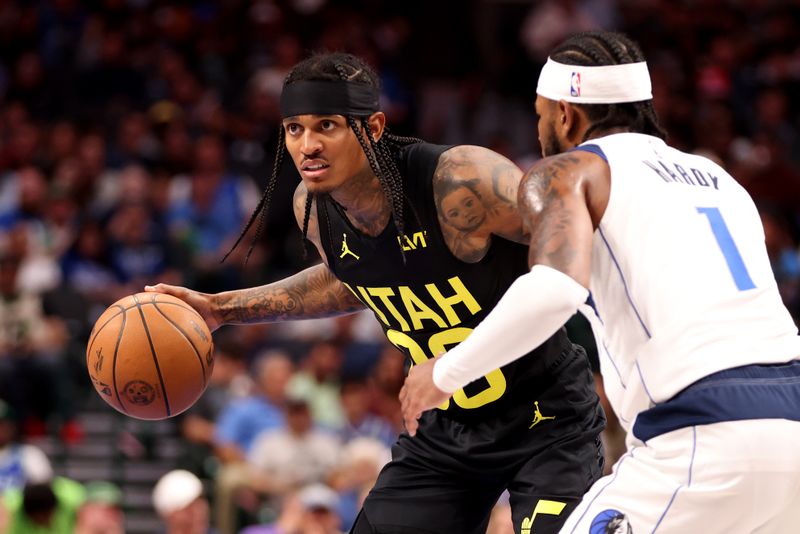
<point>610,522</point>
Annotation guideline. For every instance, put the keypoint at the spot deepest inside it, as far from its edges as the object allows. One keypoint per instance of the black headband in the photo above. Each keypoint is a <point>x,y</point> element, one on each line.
<point>328,98</point>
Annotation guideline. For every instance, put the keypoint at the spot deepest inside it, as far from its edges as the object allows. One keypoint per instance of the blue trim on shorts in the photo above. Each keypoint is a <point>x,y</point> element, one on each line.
<point>594,149</point>
<point>738,394</point>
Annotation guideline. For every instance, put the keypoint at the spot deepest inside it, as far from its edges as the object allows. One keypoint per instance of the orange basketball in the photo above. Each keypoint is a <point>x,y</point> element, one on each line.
<point>150,355</point>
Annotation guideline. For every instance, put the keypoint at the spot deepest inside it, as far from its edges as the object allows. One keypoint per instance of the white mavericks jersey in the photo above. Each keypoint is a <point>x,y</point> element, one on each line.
<point>681,282</point>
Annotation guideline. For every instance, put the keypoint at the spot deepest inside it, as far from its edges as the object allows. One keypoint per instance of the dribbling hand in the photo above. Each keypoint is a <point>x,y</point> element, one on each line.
<point>419,394</point>
<point>201,302</point>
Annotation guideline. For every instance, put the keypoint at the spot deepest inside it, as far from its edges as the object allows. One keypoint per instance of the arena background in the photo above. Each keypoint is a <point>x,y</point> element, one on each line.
<point>135,137</point>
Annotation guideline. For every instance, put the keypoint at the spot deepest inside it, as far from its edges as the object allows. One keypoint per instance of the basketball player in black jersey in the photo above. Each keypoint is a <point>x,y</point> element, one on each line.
<point>427,237</point>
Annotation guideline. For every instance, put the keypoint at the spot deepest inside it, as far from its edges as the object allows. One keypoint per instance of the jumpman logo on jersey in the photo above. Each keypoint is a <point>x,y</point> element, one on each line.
<point>346,250</point>
<point>538,417</point>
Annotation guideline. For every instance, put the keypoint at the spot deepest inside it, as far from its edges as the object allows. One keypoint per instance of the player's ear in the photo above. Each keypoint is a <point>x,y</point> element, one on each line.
<point>566,117</point>
<point>570,121</point>
<point>377,123</point>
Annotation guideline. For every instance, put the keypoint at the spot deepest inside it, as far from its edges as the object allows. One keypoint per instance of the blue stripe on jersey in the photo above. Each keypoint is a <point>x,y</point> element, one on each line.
<point>594,149</point>
<point>614,363</point>
<point>624,283</point>
<point>612,478</point>
<point>591,303</point>
<point>738,394</point>
<point>669,505</point>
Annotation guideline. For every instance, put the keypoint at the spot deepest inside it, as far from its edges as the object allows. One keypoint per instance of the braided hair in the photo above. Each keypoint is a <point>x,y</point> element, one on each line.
<point>380,154</point>
<point>598,48</point>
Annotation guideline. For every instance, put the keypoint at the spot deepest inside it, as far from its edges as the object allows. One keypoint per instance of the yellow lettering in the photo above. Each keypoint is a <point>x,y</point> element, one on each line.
<point>404,341</point>
<point>419,239</point>
<point>462,295</point>
<point>416,240</point>
<point>440,342</point>
<point>368,302</point>
<point>437,344</point>
<point>384,293</point>
<point>417,309</point>
<point>408,245</point>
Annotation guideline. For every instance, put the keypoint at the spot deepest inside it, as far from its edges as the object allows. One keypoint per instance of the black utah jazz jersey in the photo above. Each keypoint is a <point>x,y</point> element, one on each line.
<point>433,302</point>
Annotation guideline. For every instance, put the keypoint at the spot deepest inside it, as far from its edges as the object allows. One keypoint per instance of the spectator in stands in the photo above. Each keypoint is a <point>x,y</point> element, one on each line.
<point>19,462</point>
<point>385,382</point>
<point>240,422</point>
<point>31,353</point>
<point>312,510</point>
<point>243,419</point>
<point>139,246</point>
<point>355,474</point>
<point>280,461</point>
<point>287,458</point>
<point>86,265</point>
<point>229,382</point>
<point>318,383</point>
<point>179,500</point>
<point>209,206</point>
<point>44,506</point>
<point>359,422</point>
<point>101,511</point>
<point>784,257</point>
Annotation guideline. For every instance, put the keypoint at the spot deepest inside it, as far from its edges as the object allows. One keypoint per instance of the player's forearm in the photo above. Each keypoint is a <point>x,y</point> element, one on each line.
<point>535,306</point>
<point>309,294</point>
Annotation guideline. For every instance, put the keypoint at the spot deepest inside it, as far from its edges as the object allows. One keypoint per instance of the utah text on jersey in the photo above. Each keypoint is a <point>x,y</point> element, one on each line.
<point>441,311</point>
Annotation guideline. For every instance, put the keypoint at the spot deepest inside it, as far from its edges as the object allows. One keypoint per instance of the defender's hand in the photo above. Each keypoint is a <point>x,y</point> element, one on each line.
<point>201,302</point>
<point>419,394</point>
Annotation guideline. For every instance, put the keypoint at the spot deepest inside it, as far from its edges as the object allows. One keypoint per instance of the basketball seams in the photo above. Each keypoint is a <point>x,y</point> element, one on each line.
<point>185,336</point>
<point>114,362</point>
<point>155,357</point>
<point>128,334</point>
<point>154,301</point>
<point>94,337</point>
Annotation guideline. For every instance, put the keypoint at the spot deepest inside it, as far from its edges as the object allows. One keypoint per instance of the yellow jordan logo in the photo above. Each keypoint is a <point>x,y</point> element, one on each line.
<point>346,250</point>
<point>538,417</point>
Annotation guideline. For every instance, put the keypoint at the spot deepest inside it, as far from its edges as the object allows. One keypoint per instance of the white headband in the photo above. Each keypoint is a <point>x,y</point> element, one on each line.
<point>608,84</point>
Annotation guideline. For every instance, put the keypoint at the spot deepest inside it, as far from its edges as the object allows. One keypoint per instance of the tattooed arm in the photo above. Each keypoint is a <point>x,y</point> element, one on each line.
<point>312,293</point>
<point>562,199</point>
<point>475,191</point>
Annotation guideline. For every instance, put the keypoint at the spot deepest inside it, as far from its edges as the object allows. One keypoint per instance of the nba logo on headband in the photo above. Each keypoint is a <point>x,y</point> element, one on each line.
<point>575,84</point>
<point>602,84</point>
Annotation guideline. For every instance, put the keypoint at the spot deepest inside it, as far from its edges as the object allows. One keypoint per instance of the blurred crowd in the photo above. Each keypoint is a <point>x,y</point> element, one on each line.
<point>137,135</point>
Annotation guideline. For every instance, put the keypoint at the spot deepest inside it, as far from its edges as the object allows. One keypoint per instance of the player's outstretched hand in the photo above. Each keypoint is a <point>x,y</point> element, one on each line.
<point>202,302</point>
<point>419,394</point>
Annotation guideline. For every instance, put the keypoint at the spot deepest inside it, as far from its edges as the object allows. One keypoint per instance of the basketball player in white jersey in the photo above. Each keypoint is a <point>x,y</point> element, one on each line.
<point>664,252</point>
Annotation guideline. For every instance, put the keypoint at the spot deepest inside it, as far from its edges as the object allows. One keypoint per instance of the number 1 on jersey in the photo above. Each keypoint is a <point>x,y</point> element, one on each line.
<point>728,247</point>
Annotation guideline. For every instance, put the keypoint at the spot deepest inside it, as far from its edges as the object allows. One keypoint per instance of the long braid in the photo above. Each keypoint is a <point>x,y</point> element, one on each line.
<point>391,176</point>
<point>596,48</point>
<point>387,148</point>
<point>381,163</point>
<point>260,212</point>
<point>306,217</point>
